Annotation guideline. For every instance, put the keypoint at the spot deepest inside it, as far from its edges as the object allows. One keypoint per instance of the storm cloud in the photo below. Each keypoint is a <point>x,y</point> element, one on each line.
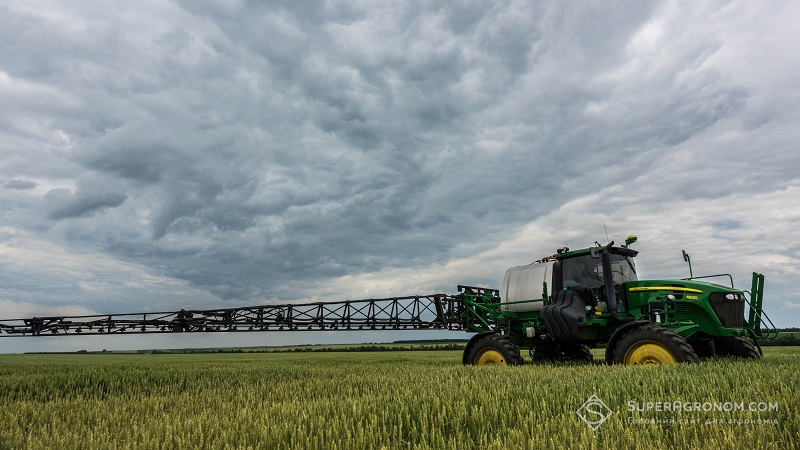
<point>226,153</point>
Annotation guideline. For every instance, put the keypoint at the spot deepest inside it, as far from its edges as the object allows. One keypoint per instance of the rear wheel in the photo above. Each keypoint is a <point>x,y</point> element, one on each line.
<point>653,345</point>
<point>735,346</point>
<point>494,350</point>
<point>703,348</point>
<point>561,351</point>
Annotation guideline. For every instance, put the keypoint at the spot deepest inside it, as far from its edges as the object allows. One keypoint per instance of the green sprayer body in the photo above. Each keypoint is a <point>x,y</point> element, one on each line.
<point>592,297</point>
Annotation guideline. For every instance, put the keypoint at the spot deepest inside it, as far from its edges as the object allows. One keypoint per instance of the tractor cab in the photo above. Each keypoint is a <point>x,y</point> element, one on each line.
<point>582,271</point>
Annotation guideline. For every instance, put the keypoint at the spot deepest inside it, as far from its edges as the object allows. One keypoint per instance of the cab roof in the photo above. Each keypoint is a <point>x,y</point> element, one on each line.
<point>565,253</point>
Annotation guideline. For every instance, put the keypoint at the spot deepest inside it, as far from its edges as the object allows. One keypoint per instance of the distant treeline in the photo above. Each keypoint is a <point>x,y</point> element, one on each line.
<point>786,337</point>
<point>783,339</point>
<point>311,349</point>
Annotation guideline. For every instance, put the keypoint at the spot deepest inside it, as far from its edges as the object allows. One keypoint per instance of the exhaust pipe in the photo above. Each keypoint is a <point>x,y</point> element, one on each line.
<point>611,295</point>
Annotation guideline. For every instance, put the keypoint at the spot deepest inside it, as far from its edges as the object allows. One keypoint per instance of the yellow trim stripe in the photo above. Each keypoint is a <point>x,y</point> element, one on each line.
<point>664,288</point>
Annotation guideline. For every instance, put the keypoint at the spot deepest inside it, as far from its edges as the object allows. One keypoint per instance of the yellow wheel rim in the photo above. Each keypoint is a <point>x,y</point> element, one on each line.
<point>649,353</point>
<point>490,357</point>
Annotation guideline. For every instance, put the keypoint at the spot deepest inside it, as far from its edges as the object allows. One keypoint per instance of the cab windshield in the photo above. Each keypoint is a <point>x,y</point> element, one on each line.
<point>587,272</point>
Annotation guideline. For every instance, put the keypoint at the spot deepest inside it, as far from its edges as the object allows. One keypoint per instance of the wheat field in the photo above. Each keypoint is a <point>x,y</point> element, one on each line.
<point>390,400</point>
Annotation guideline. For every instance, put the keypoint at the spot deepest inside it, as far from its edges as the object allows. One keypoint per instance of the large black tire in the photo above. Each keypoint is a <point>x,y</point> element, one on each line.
<point>653,345</point>
<point>472,341</point>
<point>494,350</point>
<point>561,351</point>
<point>735,346</point>
<point>577,352</point>
<point>703,348</point>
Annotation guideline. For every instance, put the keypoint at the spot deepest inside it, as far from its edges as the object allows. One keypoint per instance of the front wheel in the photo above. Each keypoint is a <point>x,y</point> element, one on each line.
<point>494,350</point>
<point>653,345</point>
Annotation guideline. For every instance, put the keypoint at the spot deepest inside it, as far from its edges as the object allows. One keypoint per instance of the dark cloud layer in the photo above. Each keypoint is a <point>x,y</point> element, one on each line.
<point>19,184</point>
<point>63,204</point>
<point>257,151</point>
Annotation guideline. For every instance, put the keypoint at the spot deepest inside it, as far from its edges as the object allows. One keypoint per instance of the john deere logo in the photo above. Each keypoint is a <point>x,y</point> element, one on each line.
<point>594,412</point>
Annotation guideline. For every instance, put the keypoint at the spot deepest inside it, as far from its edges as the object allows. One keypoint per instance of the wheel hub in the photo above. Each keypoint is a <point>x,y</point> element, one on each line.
<point>649,353</point>
<point>490,357</point>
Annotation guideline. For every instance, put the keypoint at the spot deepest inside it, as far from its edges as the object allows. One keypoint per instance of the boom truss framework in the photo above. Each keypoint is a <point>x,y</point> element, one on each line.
<point>438,311</point>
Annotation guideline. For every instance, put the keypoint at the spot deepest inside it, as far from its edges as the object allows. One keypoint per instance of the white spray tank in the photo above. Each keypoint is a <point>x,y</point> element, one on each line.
<point>526,284</point>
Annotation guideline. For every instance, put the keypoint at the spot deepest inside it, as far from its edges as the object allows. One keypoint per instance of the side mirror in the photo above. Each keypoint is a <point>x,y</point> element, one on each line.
<point>688,260</point>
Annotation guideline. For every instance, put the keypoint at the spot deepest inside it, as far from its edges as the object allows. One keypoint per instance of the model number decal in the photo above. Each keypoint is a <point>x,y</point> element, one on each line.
<point>692,297</point>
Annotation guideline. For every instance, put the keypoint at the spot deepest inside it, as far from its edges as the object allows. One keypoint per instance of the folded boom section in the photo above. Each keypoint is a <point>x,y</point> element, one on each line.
<point>438,311</point>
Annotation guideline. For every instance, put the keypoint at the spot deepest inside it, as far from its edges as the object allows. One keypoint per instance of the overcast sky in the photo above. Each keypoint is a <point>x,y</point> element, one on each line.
<point>166,155</point>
